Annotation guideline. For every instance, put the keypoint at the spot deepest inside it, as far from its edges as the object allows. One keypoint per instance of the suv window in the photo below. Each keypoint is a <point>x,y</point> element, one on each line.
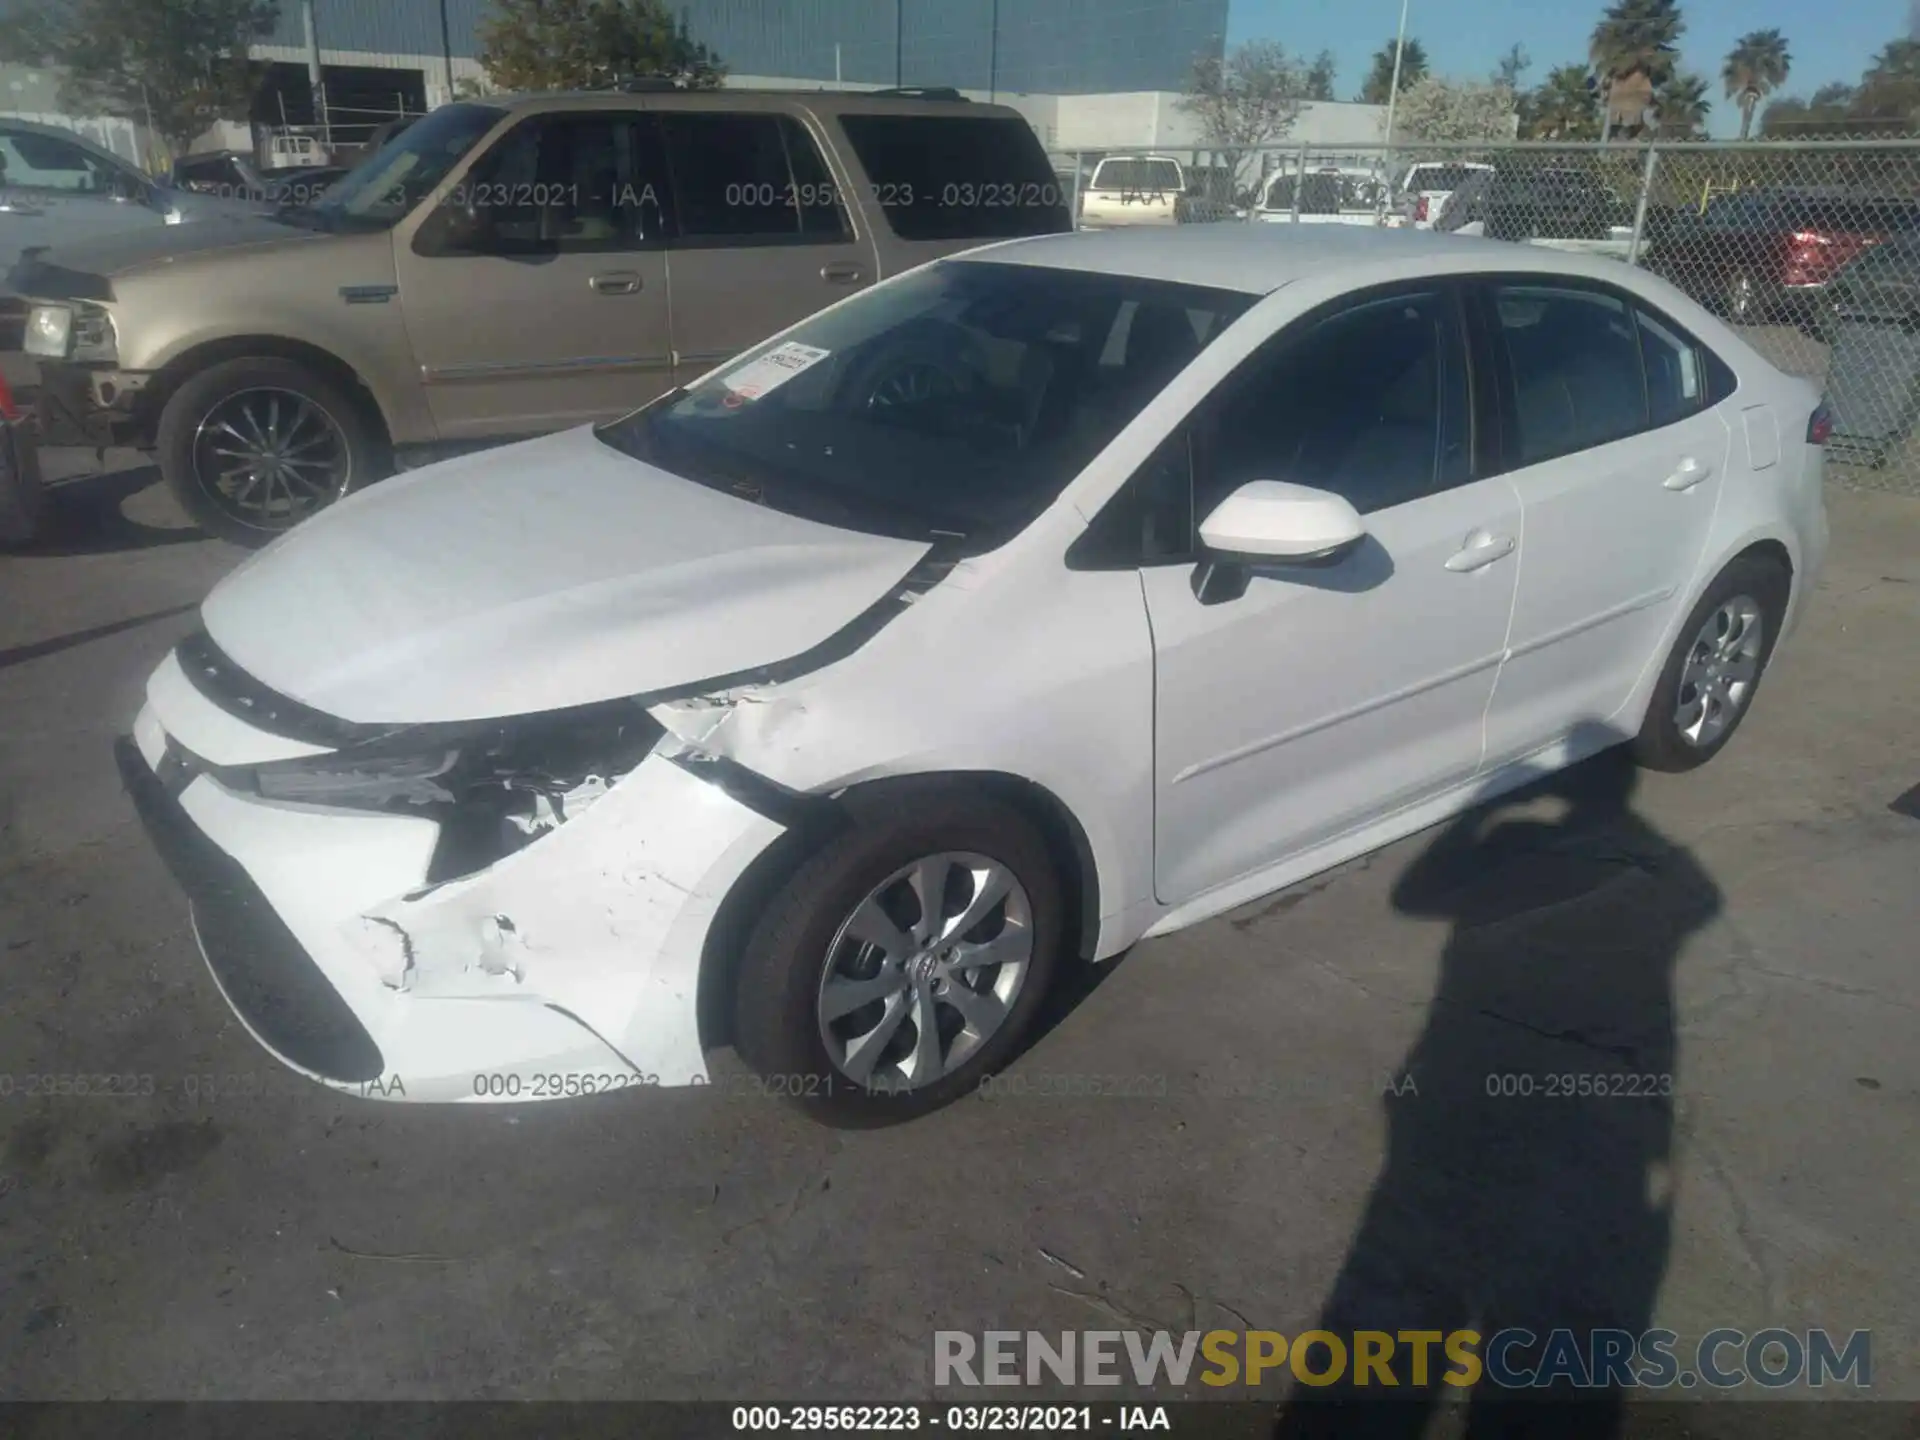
<point>958,177</point>
<point>1370,402</point>
<point>1137,175</point>
<point>566,184</point>
<point>44,162</point>
<point>749,179</point>
<point>1575,360</point>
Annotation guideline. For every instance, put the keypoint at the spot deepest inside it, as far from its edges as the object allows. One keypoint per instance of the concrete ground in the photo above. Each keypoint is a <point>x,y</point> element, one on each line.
<point>1748,930</point>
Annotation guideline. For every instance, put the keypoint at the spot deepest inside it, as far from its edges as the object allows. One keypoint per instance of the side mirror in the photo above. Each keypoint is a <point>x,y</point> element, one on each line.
<point>1272,522</point>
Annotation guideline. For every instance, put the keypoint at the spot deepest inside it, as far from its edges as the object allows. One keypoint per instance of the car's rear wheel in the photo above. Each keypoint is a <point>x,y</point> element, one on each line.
<point>1742,298</point>
<point>1707,685</point>
<point>253,446</point>
<point>903,962</point>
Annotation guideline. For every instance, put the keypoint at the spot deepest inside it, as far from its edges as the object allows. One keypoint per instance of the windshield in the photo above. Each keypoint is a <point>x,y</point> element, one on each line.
<point>1137,175</point>
<point>1438,177</point>
<point>387,184</point>
<point>954,404</point>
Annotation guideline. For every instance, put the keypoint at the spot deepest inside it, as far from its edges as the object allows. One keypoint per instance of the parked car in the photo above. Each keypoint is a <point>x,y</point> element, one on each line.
<point>1424,189</point>
<point>293,150</point>
<point>1769,254</point>
<point>1870,319</point>
<point>58,188</point>
<point>23,497</point>
<point>502,269</point>
<point>1528,203</point>
<point>232,174</point>
<point>1328,196</point>
<point>1049,597</point>
<point>1134,190</point>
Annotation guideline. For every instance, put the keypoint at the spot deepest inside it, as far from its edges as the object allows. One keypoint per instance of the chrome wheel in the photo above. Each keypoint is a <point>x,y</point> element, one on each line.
<point>269,458</point>
<point>925,971</point>
<point>1721,669</point>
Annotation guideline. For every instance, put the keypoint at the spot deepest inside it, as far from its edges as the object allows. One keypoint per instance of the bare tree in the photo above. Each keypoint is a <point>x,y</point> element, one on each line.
<point>1248,99</point>
<point>1456,111</point>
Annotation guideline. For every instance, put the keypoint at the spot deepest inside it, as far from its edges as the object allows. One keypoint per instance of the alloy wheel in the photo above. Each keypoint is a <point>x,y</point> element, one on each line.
<point>925,971</point>
<point>1740,296</point>
<point>1721,670</point>
<point>269,458</point>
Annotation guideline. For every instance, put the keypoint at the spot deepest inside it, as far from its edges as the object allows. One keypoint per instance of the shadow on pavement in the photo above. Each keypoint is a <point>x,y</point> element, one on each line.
<point>1527,1182</point>
<point>88,517</point>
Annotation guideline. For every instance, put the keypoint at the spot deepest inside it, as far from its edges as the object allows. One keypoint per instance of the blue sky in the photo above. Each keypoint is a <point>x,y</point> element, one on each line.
<point>1829,39</point>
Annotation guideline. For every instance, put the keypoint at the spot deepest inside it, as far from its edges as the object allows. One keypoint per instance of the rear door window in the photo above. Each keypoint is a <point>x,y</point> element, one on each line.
<point>1574,356</point>
<point>958,177</point>
<point>749,179</point>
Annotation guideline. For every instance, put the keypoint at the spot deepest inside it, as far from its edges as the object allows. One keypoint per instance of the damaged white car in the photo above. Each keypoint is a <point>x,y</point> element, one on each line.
<point>1028,604</point>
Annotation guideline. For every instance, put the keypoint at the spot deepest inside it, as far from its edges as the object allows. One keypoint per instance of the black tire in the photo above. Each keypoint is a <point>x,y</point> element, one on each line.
<point>777,1029</point>
<point>361,439</point>
<point>1660,744</point>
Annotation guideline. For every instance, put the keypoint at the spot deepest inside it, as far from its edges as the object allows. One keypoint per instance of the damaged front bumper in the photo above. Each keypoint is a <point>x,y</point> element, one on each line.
<point>92,406</point>
<point>569,967</point>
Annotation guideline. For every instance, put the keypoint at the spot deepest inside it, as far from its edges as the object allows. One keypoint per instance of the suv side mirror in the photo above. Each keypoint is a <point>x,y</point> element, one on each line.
<point>1272,522</point>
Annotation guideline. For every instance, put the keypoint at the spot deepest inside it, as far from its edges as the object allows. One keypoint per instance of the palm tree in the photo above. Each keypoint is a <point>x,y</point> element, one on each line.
<point>1632,52</point>
<point>1756,67</point>
<point>1680,106</point>
<point>1562,107</point>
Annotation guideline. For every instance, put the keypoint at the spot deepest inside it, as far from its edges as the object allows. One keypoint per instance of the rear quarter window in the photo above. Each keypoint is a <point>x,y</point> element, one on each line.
<point>958,177</point>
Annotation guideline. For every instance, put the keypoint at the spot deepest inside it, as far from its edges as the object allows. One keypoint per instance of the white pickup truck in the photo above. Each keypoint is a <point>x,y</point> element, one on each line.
<point>1328,196</point>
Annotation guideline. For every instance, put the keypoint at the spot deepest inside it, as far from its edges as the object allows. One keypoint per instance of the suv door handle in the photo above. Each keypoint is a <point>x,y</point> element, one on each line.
<point>1689,474</point>
<point>616,282</point>
<point>1480,550</point>
<point>841,273</point>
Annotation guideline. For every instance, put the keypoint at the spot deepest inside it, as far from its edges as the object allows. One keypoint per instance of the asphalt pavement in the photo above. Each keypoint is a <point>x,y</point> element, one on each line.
<point>1220,1133</point>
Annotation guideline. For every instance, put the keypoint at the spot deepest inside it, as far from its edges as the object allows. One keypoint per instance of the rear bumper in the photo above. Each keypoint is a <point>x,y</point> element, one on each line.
<point>570,967</point>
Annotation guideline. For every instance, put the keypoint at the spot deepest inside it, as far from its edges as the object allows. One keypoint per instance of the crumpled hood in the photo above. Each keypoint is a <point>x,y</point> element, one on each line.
<point>552,573</point>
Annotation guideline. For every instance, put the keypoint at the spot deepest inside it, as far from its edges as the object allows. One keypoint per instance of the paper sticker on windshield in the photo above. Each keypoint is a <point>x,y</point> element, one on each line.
<point>773,369</point>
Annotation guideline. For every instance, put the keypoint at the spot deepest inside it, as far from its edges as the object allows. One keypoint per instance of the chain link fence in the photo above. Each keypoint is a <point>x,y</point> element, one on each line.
<point>1810,249</point>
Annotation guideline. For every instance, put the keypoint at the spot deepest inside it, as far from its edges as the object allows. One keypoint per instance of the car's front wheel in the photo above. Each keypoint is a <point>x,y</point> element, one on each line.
<point>902,963</point>
<point>253,446</point>
<point>1709,680</point>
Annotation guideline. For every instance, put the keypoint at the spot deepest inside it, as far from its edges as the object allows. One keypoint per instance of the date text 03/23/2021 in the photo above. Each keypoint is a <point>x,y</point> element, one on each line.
<point>955,1419</point>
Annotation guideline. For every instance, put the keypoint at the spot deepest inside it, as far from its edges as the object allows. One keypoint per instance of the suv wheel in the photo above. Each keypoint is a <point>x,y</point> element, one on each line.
<point>251,447</point>
<point>903,962</point>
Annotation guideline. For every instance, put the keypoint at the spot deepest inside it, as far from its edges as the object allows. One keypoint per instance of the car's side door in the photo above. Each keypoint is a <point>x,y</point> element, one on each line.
<point>535,294</point>
<point>1617,453</point>
<point>764,236</point>
<point>1296,702</point>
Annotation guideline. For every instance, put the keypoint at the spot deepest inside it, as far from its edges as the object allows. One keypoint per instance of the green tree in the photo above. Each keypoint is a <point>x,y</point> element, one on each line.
<point>1454,112</point>
<point>1633,50</point>
<point>1247,98</point>
<point>1890,90</point>
<point>181,62</point>
<point>1756,67</point>
<point>591,44</point>
<point>1680,106</point>
<point>1564,106</point>
<point>1413,68</point>
<point>1512,68</point>
<point>1320,76</point>
<point>1829,112</point>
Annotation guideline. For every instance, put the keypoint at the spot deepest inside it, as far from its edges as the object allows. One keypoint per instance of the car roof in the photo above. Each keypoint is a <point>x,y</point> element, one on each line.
<point>874,102</point>
<point>1257,259</point>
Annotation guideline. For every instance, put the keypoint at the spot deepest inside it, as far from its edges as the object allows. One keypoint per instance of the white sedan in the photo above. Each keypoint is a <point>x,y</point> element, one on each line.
<point>1037,601</point>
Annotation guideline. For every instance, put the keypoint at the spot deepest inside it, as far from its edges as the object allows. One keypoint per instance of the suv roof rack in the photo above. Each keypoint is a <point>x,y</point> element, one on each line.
<point>636,84</point>
<point>920,92</point>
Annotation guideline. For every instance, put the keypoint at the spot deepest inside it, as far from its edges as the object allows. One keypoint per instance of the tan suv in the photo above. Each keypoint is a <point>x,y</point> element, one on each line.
<point>505,268</point>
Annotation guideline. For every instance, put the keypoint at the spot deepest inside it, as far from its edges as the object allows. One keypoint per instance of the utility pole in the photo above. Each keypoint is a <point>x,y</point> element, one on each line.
<point>899,43</point>
<point>446,48</point>
<point>1393,89</point>
<point>314,77</point>
<point>993,55</point>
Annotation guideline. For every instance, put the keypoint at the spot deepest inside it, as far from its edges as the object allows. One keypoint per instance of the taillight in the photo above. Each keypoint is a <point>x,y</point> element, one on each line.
<point>1420,208</point>
<point>1808,239</point>
<point>8,410</point>
<point>1820,426</point>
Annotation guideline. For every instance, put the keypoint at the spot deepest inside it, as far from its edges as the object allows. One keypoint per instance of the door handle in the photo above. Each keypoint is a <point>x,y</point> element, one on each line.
<point>841,273</point>
<point>616,282</point>
<point>1689,474</point>
<point>1481,550</point>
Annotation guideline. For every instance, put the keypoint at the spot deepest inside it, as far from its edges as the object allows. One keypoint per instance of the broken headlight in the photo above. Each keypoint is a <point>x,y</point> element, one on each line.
<point>493,786</point>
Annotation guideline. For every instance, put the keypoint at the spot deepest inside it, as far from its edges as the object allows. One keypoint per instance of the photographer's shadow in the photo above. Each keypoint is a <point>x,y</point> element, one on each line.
<point>1527,1181</point>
